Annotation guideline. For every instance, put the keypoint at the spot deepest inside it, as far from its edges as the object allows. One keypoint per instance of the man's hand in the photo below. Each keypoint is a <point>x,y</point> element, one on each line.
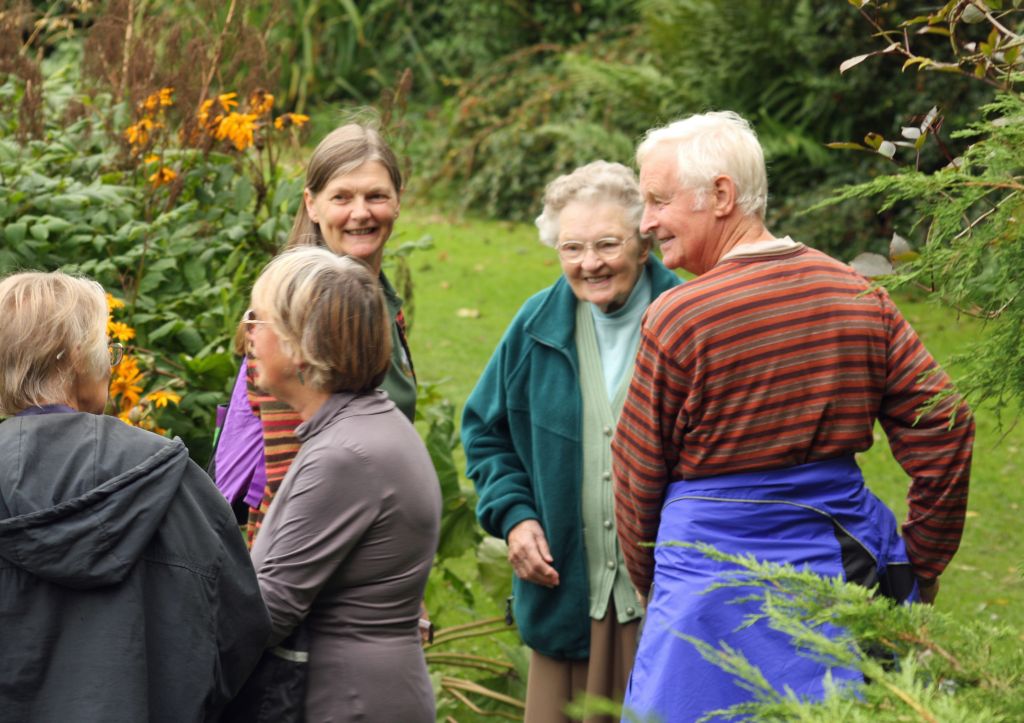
<point>426,627</point>
<point>529,555</point>
<point>928,590</point>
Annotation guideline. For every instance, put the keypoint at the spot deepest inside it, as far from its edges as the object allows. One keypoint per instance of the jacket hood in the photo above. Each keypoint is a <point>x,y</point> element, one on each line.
<point>81,495</point>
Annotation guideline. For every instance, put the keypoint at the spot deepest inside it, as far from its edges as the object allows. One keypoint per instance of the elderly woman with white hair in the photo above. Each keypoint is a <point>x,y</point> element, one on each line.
<point>756,385</point>
<point>126,592</point>
<point>537,429</point>
<point>347,546</point>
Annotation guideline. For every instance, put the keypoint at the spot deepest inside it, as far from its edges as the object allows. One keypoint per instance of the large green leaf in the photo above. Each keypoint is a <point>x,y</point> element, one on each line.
<point>15,232</point>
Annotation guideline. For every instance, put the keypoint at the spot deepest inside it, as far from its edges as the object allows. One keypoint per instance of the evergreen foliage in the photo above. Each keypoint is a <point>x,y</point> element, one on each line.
<point>966,214</point>
<point>920,664</point>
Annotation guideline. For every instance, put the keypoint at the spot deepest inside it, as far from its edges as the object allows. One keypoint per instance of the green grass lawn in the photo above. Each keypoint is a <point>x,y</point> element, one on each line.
<point>478,273</point>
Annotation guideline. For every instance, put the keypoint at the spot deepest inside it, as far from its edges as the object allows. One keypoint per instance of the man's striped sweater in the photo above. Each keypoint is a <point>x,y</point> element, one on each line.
<point>777,359</point>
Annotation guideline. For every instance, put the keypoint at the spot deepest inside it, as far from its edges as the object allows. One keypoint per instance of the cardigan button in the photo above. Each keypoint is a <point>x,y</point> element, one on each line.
<point>611,564</point>
<point>606,476</point>
<point>630,611</point>
<point>607,431</point>
<point>607,524</point>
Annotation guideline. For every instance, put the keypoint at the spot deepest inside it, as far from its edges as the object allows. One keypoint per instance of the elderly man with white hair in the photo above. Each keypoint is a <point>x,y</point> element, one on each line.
<point>755,385</point>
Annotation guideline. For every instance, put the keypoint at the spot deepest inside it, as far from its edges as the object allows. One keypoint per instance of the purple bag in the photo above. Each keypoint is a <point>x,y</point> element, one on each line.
<point>239,471</point>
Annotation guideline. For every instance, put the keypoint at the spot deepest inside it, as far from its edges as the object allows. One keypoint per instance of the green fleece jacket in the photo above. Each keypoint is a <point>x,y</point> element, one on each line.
<point>521,430</point>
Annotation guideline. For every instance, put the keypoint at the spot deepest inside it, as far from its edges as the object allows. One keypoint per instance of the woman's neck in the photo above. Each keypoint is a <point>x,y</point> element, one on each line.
<point>304,399</point>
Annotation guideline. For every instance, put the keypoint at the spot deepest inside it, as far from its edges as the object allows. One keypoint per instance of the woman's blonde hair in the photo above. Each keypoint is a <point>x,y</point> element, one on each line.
<point>342,151</point>
<point>329,311</point>
<point>52,329</point>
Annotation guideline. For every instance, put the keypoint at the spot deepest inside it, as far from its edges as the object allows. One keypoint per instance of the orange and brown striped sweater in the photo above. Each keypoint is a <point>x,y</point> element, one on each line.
<point>774,360</point>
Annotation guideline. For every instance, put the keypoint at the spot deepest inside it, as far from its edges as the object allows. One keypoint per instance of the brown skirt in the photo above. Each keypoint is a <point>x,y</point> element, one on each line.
<point>552,683</point>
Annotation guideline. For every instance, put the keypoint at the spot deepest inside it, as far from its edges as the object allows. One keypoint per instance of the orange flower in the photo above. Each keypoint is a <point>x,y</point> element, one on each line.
<point>162,176</point>
<point>128,388</point>
<point>113,303</point>
<point>227,100</point>
<point>128,368</point>
<point>237,128</point>
<point>155,101</point>
<point>120,331</point>
<point>203,116</point>
<point>290,119</point>
<point>161,397</point>
<point>261,102</point>
<point>138,134</point>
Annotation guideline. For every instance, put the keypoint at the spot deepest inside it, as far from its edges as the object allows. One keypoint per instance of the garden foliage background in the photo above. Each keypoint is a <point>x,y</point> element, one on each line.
<point>157,147</point>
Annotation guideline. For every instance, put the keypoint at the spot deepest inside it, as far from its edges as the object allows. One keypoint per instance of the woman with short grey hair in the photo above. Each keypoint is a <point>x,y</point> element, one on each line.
<point>126,592</point>
<point>599,182</point>
<point>537,428</point>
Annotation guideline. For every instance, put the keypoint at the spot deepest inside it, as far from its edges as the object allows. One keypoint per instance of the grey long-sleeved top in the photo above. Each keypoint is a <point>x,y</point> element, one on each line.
<point>348,545</point>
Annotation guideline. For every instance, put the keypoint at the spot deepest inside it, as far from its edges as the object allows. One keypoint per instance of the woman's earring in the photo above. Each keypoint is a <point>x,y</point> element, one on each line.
<point>302,379</point>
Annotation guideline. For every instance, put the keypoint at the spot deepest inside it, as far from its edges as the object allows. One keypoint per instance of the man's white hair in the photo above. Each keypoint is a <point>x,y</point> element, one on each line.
<point>709,145</point>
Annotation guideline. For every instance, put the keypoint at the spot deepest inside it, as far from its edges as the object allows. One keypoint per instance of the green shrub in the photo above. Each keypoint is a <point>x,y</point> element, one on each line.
<point>963,218</point>
<point>476,659</point>
<point>173,231</point>
<point>562,101</point>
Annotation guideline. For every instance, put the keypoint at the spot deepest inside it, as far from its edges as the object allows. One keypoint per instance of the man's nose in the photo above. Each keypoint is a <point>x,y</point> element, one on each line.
<point>647,221</point>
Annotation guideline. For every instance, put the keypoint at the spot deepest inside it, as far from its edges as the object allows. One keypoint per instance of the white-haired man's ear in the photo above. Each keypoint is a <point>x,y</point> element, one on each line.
<point>723,195</point>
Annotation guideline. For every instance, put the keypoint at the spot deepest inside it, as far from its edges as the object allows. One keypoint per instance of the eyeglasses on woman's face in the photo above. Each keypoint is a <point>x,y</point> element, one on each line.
<point>116,351</point>
<point>607,249</point>
<point>249,317</point>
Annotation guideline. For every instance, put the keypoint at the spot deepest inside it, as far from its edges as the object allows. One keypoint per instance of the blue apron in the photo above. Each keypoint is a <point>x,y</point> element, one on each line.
<point>817,515</point>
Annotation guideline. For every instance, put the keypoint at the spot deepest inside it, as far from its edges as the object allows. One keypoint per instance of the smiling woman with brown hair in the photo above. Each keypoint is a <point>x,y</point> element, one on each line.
<point>350,203</point>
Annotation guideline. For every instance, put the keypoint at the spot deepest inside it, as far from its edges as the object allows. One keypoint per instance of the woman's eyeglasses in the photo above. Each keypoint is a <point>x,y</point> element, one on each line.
<point>607,249</point>
<point>116,350</point>
<point>249,317</point>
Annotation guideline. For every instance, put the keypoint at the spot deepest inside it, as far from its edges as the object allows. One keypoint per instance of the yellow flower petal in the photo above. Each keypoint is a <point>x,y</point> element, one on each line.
<point>120,331</point>
<point>162,176</point>
<point>290,119</point>
<point>239,128</point>
<point>161,397</point>
<point>261,102</point>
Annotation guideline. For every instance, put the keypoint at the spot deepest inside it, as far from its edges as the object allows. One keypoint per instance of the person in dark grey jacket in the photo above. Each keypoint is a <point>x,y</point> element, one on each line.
<point>126,592</point>
<point>347,546</point>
